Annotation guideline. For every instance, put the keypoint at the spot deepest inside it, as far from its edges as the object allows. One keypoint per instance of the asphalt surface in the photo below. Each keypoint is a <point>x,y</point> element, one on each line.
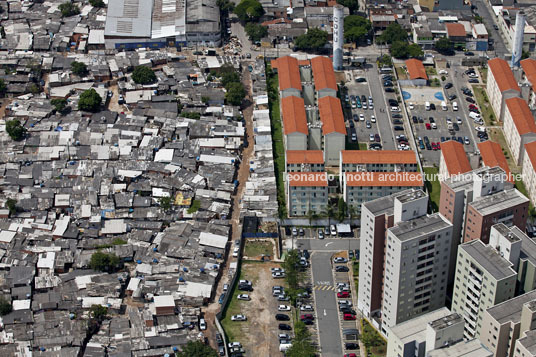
<point>485,12</point>
<point>328,245</point>
<point>326,305</point>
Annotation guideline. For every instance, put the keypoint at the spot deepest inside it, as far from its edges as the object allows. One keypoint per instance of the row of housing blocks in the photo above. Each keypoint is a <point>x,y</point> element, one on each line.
<point>314,133</point>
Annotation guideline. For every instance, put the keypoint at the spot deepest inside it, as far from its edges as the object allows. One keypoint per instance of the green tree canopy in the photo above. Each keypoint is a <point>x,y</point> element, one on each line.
<point>249,10</point>
<point>143,75</point>
<point>3,86</point>
<point>399,49</point>
<point>79,68</point>
<point>342,209</point>
<point>59,104</point>
<point>165,203</point>
<point>444,46</point>
<point>385,60</point>
<point>15,129</point>
<point>301,344</point>
<point>256,31</point>
<point>96,3</point>
<point>352,5</point>
<point>98,312</point>
<point>5,306</point>
<point>228,75</point>
<point>356,28</point>
<point>393,33</point>
<point>104,261</point>
<point>196,349</point>
<point>225,6</point>
<point>69,9</point>
<point>235,93</point>
<point>415,51</point>
<point>314,40</point>
<point>11,205</point>
<point>90,101</point>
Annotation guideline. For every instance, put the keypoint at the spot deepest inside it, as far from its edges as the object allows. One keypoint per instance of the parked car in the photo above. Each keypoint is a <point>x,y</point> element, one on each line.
<point>244,297</point>
<point>285,327</point>
<point>283,297</point>
<point>351,346</point>
<point>283,308</point>
<point>348,317</point>
<point>306,317</point>
<point>343,294</point>
<point>282,317</point>
<point>278,275</point>
<point>239,318</point>
<point>222,297</point>
<point>398,128</point>
<point>333,230</point>
<point>341,269</point>
<point>306,308</point>
<point>202,324</point>
<point>320,234</point>
<point>389,90</point>
<point>340,260</point>
<point>448,85</point>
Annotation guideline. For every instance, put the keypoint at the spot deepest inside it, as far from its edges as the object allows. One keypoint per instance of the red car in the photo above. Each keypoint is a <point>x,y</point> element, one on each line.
<point>350,355</point>
<point>438,144</point>
<point>472,106</point>
<point>306,317</point>
<point>428,126</point>
<point>343,294</point>
<point>348,317</point>
<point>434,147</point>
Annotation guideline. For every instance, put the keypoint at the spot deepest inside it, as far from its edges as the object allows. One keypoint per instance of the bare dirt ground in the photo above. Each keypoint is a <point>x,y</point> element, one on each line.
<point>113,105</point>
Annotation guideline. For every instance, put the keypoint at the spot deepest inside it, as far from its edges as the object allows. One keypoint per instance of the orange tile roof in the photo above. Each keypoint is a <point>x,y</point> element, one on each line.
<point>405,179</point>
<point>416,69</point>
<point>331,115</point>
<point>503,74</point>
<point>323,73</point>
<point>304,62</point>
<point>307,179</point>
<point>378,157</point>
<point>455,157</point>
<point>305,157</point>
<point>455,30</point>
<point>529,67</point>
<point>294,119</point>
<point>522,116</point>
<point>288,73</point>
<point>530,150</point>
<point>492,155</point>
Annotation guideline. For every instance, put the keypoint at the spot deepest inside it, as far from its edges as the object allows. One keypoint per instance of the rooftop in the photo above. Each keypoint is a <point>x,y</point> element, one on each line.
<point>521,115</point>
<point>455,30</point>
<point>473,348</point>
<point>331,115</point>
<point>288,73</point>
<point>378,157</point>
<point>488,259</point>
<point>528,342</point>
<point>419,227</point>
<point>416,69</point>
<point>510,310</point>
<point>503,74</point>
<point>294,117</point>
<point>305,157</point>
<point>492,155</point>
<point>323,73</point>
<point>530,150</point>
<point>379,179</point>
<point>455,157</point>
<point>415,329</point>
<point>529,68</point>
<point>465,182</point>
<point>385,205</point>
<point>490,204</point>
<point>129,18</point>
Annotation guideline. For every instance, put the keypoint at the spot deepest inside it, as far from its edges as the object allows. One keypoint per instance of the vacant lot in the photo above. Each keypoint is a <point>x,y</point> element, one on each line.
<point>258,334</point>
<point>256,248</point>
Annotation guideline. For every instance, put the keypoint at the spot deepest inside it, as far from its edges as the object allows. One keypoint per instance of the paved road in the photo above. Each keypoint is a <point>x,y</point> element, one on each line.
<point>326,305</point>
<point>327,245</point>
<point>488,17</point>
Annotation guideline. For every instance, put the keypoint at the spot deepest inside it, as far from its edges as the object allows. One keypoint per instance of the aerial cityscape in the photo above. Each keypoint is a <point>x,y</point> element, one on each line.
<point>202,178</point>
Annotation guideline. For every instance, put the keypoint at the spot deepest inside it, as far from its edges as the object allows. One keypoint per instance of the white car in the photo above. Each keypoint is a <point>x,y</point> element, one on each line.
<point>333,230</point>
<point>442,71</point>
<point>411,106</point>
<point>243,297</point>
<point>371,137</point>
<point>433,125</point>
<point>274,270</point>
<point>345,302</point>
<point>306,308</point>
<point>481,129</point>
<point>373,119</point>
<point>235,252</point>
<point>340,260</point>
<point>234,344</point>
<point>395,109</point>
<point>202,324</point>
<point>239,318</point>
<point>283,308</point>
<point>278,275</point>
<point>361,117</point>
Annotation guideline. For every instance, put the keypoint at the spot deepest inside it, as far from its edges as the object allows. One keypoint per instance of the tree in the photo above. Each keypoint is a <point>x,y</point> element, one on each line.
<point>196,204</point>
<point>342,209</point>
<point>96,3</point>
<point>34,88</point>
<point>256,31</point>
<point>393,33</point>
<point>478,19</point>
<point>312,215</point>
<point>249,10</point>
<point>90,101</point>
<point>205,99</point>
<point>196,349</point>
<point>225,6</point>
<point>415,51</point>
<point>314,40</point>
<point>79,68</point>
<point>525,54</point>
<point>235,94</point>
<point>356,28</point>
<point>352,211</point>
<point>143,75</point>
<point>165,203</point>
<point>301,344</point>
<point>399,49</point>
<point>444,46</point>
<point>293,274</point>
<point>228,75</point>
<point>352,5</point>
<point>59,104</point>
<point>385,61</point>
<point>104,261</point>
<point>5,306</point>
<point>3,87</point>
<point>15,129</point>
<point>69,9</point>
<point>11,205</point>
<point>329,212</point>
<point>98,312</point>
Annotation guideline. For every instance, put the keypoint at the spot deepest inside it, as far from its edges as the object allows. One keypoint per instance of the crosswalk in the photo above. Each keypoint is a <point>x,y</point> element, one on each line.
<point>324,287</point>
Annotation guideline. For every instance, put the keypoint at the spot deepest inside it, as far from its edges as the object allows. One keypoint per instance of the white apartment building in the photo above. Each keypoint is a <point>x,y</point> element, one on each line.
<point>519,127</point>
<point>307,191</point>
<point>529,170</point>
<point>501,85</point>
<point>295,128</point>
<point>529,76</point>
<point>333,129</point>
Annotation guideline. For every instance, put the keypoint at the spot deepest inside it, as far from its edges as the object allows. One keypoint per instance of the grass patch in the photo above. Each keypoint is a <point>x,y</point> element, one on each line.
<point>373,341</point>
<point>401,73</point>
<point>232,328</point>
<point>433,187</point>
<point>277,136</point>
<point>256,248</point>
<point>355,272</point>
<point>431,71</point>
<point>486,111</point>
<point>483,75</point>
<point>363,146</point>
<point>194,207</point>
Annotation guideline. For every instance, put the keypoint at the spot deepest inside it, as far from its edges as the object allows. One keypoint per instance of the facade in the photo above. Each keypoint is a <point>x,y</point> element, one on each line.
<point>307,192</point>
<point>501,85</point>
<point>333,129</point>
<point>377,161</point>
<point>453,160</point>
<point>294,123</point>
<point>529,75</point>
<point>526,345</point>
<point>288,73</point>
<point>529,170</point>
<point>503,324</point>
<point>324,77</point>
<point>507,24</point>
<point>404,258</point>
<point>483,279</point>
<point>418,336</point>
<point>304,160</point>
<point>519,127</point>
<point>359,187</point>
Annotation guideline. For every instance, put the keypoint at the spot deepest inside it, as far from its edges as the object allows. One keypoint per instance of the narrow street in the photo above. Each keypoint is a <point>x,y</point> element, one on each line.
<point>243,176</point>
